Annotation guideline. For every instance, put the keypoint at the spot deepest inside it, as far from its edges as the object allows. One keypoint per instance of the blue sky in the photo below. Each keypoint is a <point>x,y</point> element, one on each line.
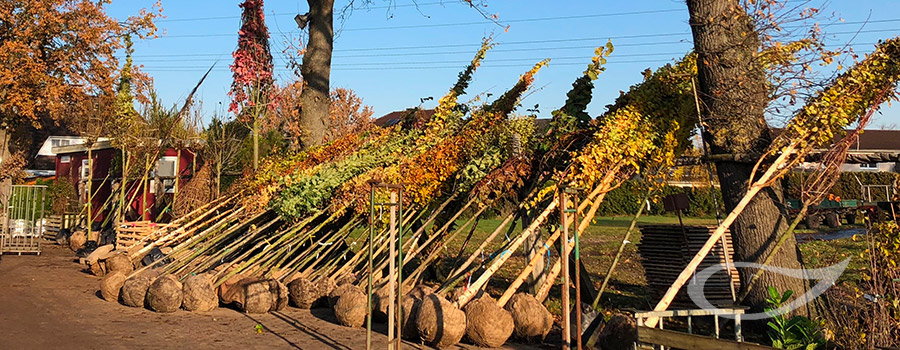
<point>393,57</point>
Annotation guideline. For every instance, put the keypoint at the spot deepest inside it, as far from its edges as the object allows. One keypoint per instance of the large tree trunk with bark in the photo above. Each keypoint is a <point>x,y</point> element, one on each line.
<point>734,97</point>
<point>315,99</point>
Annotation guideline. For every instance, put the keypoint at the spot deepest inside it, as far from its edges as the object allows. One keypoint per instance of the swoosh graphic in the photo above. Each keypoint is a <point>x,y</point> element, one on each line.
<point>826,276</point>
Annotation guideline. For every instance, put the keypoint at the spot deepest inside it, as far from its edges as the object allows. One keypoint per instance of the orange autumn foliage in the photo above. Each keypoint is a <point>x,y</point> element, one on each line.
<point>56,54</point>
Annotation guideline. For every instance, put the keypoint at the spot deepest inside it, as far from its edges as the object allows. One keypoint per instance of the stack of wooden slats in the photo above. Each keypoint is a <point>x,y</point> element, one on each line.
<point>54,223</point>
<point>129,233</point>
<point>665,250</point>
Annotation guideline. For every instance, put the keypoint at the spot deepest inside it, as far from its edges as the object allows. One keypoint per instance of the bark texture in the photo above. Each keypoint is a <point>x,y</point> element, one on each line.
<point>315,99</point>
<point>734,96</point>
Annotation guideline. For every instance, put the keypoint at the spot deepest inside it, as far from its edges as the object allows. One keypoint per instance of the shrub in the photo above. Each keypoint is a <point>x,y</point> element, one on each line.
<point>798,332</point>
<point>60,193</point>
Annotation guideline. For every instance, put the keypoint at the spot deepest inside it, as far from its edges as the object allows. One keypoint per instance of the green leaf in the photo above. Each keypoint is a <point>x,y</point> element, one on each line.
<point>786,296</point>
<point>773,293</point>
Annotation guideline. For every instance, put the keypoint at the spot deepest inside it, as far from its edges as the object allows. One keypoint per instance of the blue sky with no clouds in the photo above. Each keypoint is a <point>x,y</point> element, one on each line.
<point>394,57</point>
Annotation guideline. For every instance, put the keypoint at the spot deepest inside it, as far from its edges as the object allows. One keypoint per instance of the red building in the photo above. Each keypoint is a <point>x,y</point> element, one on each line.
<point>72,165</point>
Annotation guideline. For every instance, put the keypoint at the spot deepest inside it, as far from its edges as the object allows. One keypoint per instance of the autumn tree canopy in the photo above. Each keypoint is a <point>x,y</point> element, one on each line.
<point>54,54</point>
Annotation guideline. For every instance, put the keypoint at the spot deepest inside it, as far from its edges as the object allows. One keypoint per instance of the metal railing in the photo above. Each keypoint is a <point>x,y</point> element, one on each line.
<point>24,226</point>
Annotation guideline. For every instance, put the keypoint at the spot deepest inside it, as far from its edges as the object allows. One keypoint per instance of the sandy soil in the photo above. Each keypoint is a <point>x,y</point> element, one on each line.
<point>46,302</point>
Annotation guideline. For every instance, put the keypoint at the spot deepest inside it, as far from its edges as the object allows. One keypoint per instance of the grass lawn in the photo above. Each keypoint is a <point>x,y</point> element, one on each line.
<point>627,288</point>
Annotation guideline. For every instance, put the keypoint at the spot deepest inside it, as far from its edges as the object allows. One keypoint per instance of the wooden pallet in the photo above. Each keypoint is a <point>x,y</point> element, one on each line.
<point>129,233</point>
<point>54,223</point>
<point>665,250</point>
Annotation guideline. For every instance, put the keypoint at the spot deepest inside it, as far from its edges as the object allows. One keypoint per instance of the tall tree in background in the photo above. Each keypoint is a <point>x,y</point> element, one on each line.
<point>56,55</point>
<point>316,71</point>
<point>735,93</point>
<point>316,67</point>
<point>252,93</point>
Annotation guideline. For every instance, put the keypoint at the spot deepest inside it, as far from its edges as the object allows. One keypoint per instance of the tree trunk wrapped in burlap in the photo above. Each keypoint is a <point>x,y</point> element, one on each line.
<point>111,285</point>
<point>77,240</point>
<point>338,291</point>
<point>305,294</point>
<point>165,294</point>
<point>101,253</point>
<point>199,294</point>
<point>531,318</point>
<point>487,324</point>
<point>440,324</point>
<point>119,262</point>
<point>350,307</point>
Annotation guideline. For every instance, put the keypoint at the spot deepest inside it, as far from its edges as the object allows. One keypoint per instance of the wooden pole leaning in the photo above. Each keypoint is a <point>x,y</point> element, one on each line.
<point>395,262</point>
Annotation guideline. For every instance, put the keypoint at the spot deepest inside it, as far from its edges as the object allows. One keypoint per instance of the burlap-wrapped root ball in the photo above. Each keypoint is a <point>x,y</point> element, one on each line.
<point>338,291</point>
<point>325,287</point>
<point>487,324</point>
<point>199,294</point>
<point>256,296</point>
<point>620,332</point>
<point>77,240</point>
<point>531,318</point>
<point>227,291</point>
<point>348,278</point>
<point>350,308</point>
<point>411,303</point>
<point>98,268</point>
<point>380,302</point>
<point>165,294</point>
<point>119,262</point>
<point>304,294</point>
<point>111,285</point>
<point>440,324</point>
<point>280,293</point>
<point>420,291</point>
<point>410,312</point>
<point>134,290</point>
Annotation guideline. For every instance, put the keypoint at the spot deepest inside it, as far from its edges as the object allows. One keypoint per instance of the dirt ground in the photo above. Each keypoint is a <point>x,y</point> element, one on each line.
<point>46,302</point>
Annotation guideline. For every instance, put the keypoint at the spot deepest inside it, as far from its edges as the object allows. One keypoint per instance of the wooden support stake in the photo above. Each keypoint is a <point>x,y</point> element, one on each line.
<point>392,270</point>
<point>564,256</point>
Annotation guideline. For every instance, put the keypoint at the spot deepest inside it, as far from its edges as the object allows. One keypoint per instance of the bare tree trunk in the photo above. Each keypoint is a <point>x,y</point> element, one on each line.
<point>5,182</point>
<point>533,245</point>
<point>315,99</point>
<point>256,140</point>
<point>734,95</point>
<point>218,177</point>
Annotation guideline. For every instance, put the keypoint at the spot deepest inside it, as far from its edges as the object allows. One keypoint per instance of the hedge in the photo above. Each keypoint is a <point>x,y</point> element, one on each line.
<point>624,200</point>
<point>847,187</point>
